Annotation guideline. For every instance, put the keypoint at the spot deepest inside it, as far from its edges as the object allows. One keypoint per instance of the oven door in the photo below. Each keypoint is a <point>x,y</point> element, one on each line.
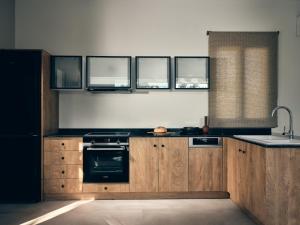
<point>103,164</point>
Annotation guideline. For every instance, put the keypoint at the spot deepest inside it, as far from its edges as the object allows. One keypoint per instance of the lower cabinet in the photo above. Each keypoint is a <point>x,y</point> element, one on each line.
<point>52,186</point>
<point>96,188</point>
<point>158,164</point>
<point>265,181</point>
<point>246,176</point>
<point>205,169</point>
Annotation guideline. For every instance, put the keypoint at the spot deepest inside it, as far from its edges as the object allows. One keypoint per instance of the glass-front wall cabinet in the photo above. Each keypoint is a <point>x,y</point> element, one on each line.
<point>108,72</point>
<point>66,72</point>
<point>152,72</point>
<point>191,72</point>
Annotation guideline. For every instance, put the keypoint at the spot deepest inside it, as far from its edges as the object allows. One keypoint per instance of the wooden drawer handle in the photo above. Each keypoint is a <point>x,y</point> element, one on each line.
<point>162,146</point>
<point>63,172</point>
<point>62,144</point>
<point>154,146</point>
<point>105,188</point>
<point>240,150</point>
<point>62,186</point>
<point>62,158</point>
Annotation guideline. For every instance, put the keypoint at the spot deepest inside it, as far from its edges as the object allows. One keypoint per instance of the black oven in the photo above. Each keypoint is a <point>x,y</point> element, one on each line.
<point>105,159</point>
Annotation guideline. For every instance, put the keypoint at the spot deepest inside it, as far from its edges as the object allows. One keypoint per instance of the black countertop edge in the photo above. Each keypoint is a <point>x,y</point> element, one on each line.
<point>174,132</point>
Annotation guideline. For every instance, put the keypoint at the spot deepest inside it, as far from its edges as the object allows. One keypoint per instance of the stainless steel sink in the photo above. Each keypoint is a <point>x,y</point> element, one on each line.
<point>271,140</point>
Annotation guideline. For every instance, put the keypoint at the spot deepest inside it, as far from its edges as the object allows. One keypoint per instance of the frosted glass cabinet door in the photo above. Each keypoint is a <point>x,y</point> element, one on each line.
<point>66,72</point>
<point>191,72</point>
<point>153,72</point>
<point>108,72</point>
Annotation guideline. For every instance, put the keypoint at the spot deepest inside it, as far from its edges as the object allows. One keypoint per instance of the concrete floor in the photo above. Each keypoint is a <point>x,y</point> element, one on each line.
<point>130,212</point>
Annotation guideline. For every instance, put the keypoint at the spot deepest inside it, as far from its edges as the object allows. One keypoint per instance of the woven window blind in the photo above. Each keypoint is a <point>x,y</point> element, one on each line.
<point>243,79</point>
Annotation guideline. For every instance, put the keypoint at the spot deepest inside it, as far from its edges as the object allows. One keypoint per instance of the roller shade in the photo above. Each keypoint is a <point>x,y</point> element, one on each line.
<point>243,79</point>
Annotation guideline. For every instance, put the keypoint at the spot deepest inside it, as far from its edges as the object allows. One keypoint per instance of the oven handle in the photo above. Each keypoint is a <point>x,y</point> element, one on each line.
<point>106,149</point>
<point>105,144</point>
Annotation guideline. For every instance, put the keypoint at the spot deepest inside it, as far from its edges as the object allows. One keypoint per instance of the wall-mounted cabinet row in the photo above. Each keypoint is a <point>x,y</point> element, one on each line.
<point>104,73</point>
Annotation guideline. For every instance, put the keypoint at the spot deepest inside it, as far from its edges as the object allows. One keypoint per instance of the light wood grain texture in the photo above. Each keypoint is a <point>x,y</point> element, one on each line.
<point>282,186</point>
<point>232,169</point>
<point>137,195</point>
<point>63,158</point>
<point>256,181</point>
<point>173,164</point>
<point>62,186</point>
<point>224,162</point>
<point>143,164</point>
<point>49,98</point>
<point>205,169</point>
<point>63,172</point>
<point>63,144</point>
<point>94,188</point>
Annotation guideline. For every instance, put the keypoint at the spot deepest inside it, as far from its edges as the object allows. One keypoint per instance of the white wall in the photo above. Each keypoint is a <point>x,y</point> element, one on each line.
<point>7,23</point>
<point>156,27</point>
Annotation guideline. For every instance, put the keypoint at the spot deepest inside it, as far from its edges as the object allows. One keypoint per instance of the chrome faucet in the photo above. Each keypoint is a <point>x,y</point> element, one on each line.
<point>291,130</point>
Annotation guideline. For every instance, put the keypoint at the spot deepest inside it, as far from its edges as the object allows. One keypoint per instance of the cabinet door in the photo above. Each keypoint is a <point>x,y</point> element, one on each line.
<point>205,169</point>
<point>143,164</point>
<point>232,169</point>
<point>173,164</point>
<point>243,175</point>
<point>256,181</point>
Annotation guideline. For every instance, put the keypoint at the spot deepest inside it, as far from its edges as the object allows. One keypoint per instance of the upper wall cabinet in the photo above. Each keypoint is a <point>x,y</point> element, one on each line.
<point>66,72</point>
<point>153,72</point>
<point>108,72</point>
<point>191,72</point>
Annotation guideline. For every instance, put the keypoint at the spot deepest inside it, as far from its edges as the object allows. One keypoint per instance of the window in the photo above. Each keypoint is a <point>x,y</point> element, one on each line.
<point>243,79</point>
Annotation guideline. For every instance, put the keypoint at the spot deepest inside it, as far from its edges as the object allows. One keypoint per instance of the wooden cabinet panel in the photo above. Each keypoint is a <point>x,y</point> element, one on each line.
<point>63,144</point>
<point>173,164</point>
<point>256,179</point>
<point>282,186</point>
<point>63,171</point>
<point>63,158</point>
<point>205,169</point>
<point>105,188</point>
<point>232,169</point>
<point>62,186</point>
<point>143,164</point>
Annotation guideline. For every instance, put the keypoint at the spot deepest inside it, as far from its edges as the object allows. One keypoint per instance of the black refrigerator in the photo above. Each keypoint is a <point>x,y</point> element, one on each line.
<point>20,125</point>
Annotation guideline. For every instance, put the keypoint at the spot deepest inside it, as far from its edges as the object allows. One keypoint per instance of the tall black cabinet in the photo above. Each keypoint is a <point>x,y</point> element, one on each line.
<point>29,110</point>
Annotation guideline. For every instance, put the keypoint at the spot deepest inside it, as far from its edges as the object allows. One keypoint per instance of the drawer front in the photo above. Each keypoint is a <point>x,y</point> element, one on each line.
<point>62,186</point>
<point>61,144</point>
<point>105,188</point>
<point>63,158</point>
<point>63,171</point>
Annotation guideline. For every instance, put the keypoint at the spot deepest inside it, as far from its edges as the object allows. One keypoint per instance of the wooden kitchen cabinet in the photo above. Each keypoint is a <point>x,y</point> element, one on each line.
<point>265,181</point>
<point>205,169</point>
<point>63,144</point>
<point>246,176</point>
<point>158,164</point>
<point>63,171</point>
<point>143,164</point>
<point>96,188</point>
<point>173,164</point>
<point>62,165</point>
<point>62,186</point>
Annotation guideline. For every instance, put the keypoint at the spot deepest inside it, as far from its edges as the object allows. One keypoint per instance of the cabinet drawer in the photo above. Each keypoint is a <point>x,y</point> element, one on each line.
<point>63,171</point>
<point>105,187</point>
<point>63,144</point>
<point>63,158</point>
<point>62,186</point>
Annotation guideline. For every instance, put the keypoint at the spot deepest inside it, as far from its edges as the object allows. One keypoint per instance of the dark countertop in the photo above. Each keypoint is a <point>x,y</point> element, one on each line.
<point>173,132</point>
<point>176,132</point>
